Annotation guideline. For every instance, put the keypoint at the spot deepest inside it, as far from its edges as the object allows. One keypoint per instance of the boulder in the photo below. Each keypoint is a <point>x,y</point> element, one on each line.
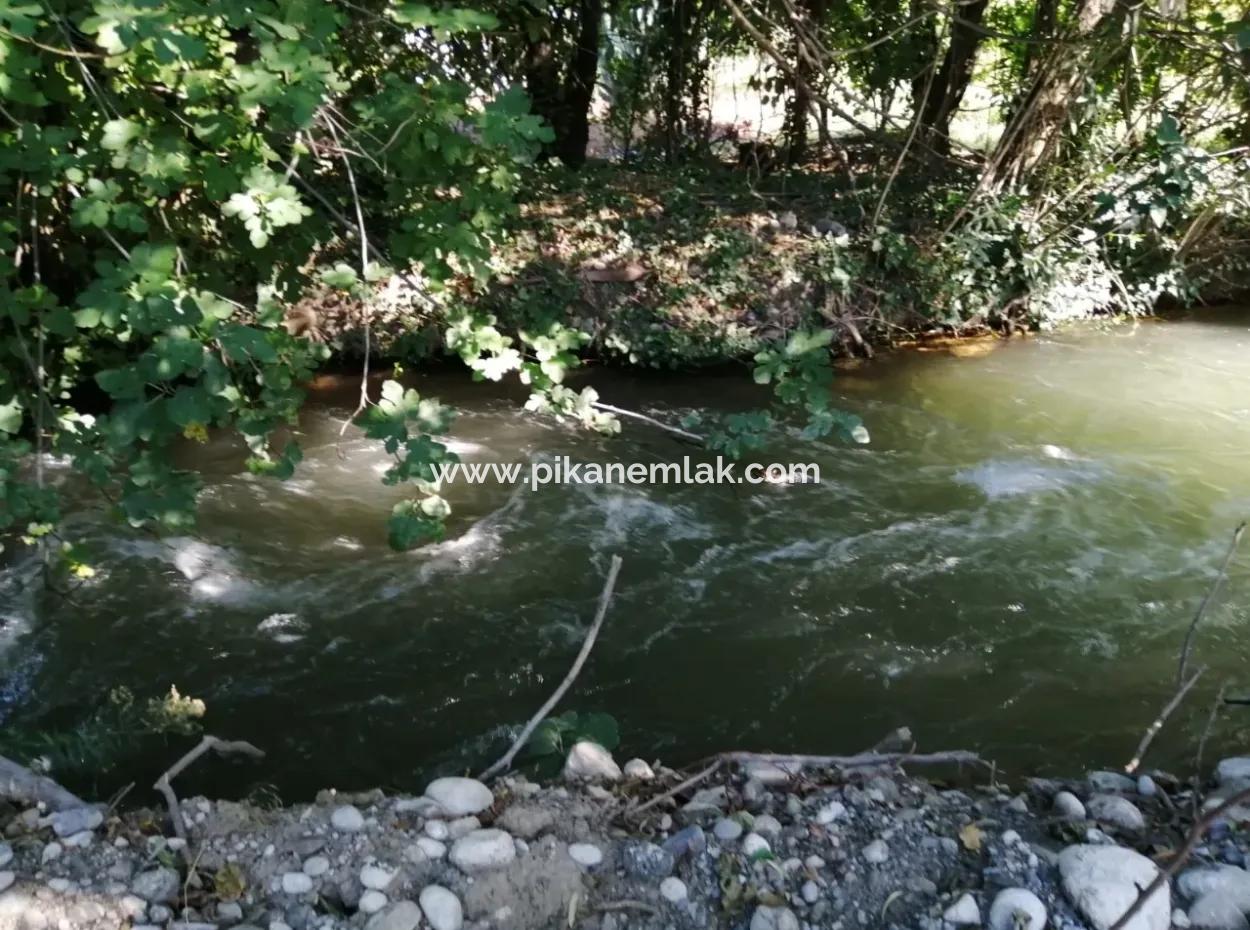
<point>1102,882</point>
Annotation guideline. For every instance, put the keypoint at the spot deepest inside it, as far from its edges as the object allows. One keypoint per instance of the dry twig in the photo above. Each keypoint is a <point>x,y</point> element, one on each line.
<point>219,746</point>
<point>1153,729</point>
<point>678,789</point>
<point>604,599</point>
<point>1191,841</point>
<point>1206,600</point>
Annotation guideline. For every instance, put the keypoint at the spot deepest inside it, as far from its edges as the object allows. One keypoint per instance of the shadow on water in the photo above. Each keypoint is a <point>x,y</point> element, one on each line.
<point>1008,567</point>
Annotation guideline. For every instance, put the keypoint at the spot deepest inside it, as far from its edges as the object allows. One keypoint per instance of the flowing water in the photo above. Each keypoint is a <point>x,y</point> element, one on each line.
<point>1009,566</point>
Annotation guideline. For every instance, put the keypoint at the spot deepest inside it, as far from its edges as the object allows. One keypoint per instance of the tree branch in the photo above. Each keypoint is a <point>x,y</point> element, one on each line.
<point>605,598</point>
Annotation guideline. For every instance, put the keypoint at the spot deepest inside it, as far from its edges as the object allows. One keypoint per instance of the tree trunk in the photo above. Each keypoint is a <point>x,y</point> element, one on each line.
<point>954,76</point>
<point>1045,17</point>
<point>562,95</point>
<point>800,105</point>
<point>1032,138</point>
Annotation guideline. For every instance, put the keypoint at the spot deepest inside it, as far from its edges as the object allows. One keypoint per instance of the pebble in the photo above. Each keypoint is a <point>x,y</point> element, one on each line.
<point>316,866</point>
<point>296,883</point>
<point>1233,769</point>
<point>6,854</point>
<point>876,852</point>
<point>641,859</point>
<point>1111,781</point>
<point>376,877</point>
<point>688,841</point>
<point>372,901</point>
<point>767,825</point>
<point>1146,786</point>
<point>774,918</point>
<point>637,768</point>
<point>441,908</point>
<point>6,879</point>
<point>673,889</point>
<point>50,853</point>
<point>1017,909</point>
<point>460,796</point>
<point>75,820</point>
<point>230,911</point>
<point>160,885</point>
<point>753,845</point>
<point>347,819</point>
<point>462,826</point>
<point>1069,806</point>
<point>1180,919</point>
<point>437,830</point>
<point>1103,881</point>
<point>1216,911</point>
<point>1117,811</point>
<point>810,892</point>
<point>586,855</point>
<point>430,848</point>
<point>482,850</point>
<point>834,810</point>
<point>589,761</point>
<point>963,911</point>
<point>402,915</point>
<point>1018,804</point>
<point>80,840</point>
<point>1229,880</point>
<point>727,830</point>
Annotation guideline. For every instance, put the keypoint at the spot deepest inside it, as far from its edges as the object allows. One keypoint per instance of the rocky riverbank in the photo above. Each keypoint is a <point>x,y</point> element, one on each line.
<point>761,845</point>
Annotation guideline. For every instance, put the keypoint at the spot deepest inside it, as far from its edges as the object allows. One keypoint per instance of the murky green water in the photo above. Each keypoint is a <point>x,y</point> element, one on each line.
<point>1008,567</point>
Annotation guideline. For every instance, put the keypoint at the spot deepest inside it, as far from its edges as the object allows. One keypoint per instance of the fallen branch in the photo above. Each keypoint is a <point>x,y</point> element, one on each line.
<point>1154,728</point>
<point>633,414</point>
<point>604,599</point>
<point>859,760</point>
<point>1206,600</point>
<point>1191,842</point>
<point>18,783</point>
<point>219,746</point>
<point>678,789</point>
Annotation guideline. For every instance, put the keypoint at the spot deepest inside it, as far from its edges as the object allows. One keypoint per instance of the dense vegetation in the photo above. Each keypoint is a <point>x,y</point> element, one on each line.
<point>206,200</point>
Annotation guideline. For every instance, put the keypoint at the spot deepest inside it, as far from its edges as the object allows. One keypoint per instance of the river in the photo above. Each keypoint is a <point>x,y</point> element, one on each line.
<point>1009,566</point>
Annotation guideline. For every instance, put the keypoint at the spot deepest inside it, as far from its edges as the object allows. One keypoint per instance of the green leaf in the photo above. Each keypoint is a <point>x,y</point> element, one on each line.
<point>118,133</point>
<point>11,416</point>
